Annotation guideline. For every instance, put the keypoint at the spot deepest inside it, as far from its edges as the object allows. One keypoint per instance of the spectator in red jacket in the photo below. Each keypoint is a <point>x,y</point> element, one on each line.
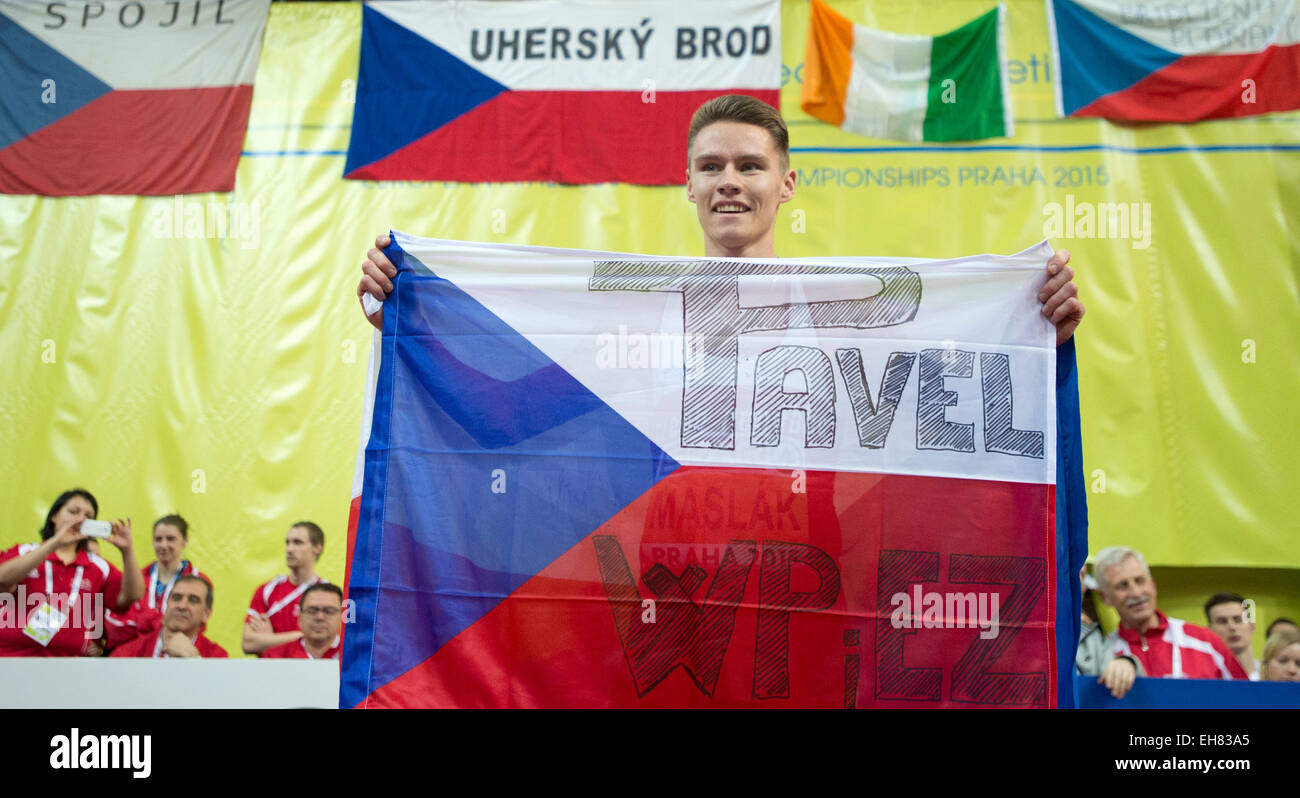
<point>320,616</point>
<point>171,534</point>
<point>1164,646</point>
<point>273,613</point>
<point>188,608</point>
<point>1229,617</point>
<point>59,588</point>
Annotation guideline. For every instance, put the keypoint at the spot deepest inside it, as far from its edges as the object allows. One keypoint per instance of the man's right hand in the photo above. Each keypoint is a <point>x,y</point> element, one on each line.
<point>377,275</point>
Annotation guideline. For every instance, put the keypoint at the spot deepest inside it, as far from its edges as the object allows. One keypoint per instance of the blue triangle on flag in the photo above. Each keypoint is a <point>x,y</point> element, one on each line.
<point>41,85</point>
<point>407,87</point>
<point>487,461</point>
<point>1098,58</point>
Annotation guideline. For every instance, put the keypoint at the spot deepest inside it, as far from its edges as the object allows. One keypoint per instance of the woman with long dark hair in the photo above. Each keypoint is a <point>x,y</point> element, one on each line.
<point>61,587</point>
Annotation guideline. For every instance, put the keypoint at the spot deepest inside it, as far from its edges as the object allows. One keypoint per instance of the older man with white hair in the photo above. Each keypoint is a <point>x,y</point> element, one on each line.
<point>1165,646</point>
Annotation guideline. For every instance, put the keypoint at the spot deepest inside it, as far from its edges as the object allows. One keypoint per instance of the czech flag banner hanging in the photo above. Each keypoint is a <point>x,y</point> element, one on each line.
<point>125,96</point>
<point>593,479</point>
<point>568,91</point>
<point>1171,61</point>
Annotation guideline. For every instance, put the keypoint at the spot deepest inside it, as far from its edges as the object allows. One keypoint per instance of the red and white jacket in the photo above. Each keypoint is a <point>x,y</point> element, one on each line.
<point>1176,649</point>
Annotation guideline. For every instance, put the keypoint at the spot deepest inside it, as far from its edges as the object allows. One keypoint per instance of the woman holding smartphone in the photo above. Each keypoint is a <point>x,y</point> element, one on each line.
<point>59,588</point>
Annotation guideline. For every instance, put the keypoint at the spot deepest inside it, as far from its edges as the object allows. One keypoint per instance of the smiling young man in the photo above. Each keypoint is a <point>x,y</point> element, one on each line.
<point>738,175</point>
<point>1165,646</point>
<point>273,612</point>
<point>189,606</point>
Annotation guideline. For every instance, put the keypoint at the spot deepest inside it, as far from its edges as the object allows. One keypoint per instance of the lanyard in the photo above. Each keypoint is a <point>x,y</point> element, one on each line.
<point>154,592</point>
<point>289,599</point>
<point>74,593</point>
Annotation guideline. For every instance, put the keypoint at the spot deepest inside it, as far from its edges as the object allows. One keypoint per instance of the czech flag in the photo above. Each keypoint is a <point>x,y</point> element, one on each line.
<point>593,479</point>
<point>125,96</point>
<point>1160,62</point>
<point>572,91</point>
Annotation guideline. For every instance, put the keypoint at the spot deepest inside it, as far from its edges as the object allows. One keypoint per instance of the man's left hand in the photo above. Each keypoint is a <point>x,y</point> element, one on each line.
<point>1060,296</point>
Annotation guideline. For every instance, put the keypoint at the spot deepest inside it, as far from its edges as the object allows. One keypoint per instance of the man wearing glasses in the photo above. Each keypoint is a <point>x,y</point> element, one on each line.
<point>320,616</point>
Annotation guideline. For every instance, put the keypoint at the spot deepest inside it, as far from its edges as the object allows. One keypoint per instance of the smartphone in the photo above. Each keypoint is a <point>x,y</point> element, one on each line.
<point>96,529</point>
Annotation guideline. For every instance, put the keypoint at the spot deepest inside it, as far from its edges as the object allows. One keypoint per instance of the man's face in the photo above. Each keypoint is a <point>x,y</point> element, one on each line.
<point>1228,620</point>
<point>187,608</point>
<point>1132,592</point>
<point>298,550</point>
<point>737,182</point>
<point>320,617</point>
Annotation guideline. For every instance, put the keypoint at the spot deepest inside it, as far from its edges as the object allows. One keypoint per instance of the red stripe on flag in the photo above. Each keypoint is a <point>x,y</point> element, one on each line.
<point>1208,87</point>
<point>560,136</point>
<point>764,596</point>
<point>152,142</point>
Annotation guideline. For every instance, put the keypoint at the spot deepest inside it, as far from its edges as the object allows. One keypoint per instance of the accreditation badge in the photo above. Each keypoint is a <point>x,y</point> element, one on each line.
<point>43,623</point>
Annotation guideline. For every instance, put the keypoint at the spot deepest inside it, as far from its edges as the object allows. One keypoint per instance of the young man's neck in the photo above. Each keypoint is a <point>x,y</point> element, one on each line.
<point>1246,658</point>
<point>303,573</point>
<point>764,248</point>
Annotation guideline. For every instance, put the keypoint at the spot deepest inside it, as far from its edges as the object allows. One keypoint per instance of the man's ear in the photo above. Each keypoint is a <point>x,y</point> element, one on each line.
<point>690,190</point>
<point>787,185</point>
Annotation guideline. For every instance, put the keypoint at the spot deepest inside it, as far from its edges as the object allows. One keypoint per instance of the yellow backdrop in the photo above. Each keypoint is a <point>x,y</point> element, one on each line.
<point>170,364</point>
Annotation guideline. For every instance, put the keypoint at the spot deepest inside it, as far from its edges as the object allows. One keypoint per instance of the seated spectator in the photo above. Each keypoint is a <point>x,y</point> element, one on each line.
<point>1164,646</point>
<point>59,583</point>
<point>273,612</point>
<point>171,534</point>
<point>1093,657</point>
<point>1281,624</point>
<point>1227,617</point>
<point>181,634</point>
<point>1281,657</point>
<point>320,616</point>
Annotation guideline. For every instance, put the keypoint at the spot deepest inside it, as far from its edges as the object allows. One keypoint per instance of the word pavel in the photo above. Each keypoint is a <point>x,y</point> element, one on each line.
<point>714,320</point>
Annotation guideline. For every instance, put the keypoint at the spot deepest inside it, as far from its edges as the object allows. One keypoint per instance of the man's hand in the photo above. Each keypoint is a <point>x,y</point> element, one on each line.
<point>1118,676</point>
<point>1060,297</point>
<point>178,645</point>
<point>377,275</point>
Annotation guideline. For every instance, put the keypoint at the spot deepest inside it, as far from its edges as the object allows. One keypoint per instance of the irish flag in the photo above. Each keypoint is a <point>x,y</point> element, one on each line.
<point>951,87</point>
